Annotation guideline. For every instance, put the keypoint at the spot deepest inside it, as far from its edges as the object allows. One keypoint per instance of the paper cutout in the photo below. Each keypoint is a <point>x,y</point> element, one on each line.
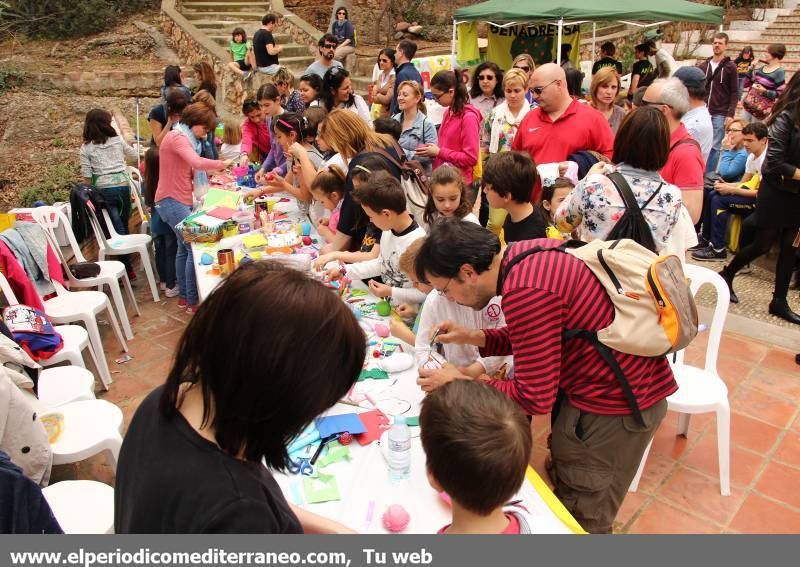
<point>375,422</point>
<point>336,452</point>
<point>412,421</point>
<point>323,488</point>
<point>333,424</point>
<point>223,213</point>
<point>220,198</point>
<point>358,292</point>
<point>373,373</point>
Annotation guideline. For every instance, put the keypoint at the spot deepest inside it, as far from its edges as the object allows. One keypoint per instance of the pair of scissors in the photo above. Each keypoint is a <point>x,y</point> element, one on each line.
<point>301,466</point>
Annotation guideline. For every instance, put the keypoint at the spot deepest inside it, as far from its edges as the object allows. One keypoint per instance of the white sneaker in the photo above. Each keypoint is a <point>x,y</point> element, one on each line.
<point>172,292</point>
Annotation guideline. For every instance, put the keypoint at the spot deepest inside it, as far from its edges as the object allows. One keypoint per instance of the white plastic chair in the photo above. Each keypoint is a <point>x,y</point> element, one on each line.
<point>701,390</point>
<point>111,271</point>
<point>122,244</point>
<point>90,427</point>
<point>75,337</point>
<point>84,306</point>
<point>65,384</point>
<point>136,179</point>
<point>82,506</point>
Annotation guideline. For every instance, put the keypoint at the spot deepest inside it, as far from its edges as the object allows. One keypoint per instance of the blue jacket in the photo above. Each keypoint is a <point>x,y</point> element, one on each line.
<point>422,131</point>
<point>732,164</point>
<point>405,72</point>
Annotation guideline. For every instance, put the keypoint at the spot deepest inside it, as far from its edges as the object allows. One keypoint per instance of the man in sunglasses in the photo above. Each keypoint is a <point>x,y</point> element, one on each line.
<point>560,126</point>
<point>405,70</point>
<point>327,49</point>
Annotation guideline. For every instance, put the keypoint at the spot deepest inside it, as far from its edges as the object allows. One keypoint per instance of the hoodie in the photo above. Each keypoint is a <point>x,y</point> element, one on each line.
<point>459,137</point>
<point>722,87</point>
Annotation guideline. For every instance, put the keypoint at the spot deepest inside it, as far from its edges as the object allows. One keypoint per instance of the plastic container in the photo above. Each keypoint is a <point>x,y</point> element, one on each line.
<point>245,220</point>
<point>399,449</point>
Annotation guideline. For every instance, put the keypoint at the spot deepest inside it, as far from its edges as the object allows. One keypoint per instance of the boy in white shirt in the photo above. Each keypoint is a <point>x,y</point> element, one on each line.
<point>383,200</point>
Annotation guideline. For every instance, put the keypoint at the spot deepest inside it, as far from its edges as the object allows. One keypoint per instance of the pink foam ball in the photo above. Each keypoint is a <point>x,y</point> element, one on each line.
<point>307,240</point>
<point>381,330</point>
<point>396,519</point>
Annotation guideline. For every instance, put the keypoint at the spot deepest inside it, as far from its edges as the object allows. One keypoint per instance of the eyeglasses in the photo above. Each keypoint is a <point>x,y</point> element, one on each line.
<point>523,68</point>
<point>539,90</point>
<point>443,291</point>
<point>485,77</point>
<point>436,97</point>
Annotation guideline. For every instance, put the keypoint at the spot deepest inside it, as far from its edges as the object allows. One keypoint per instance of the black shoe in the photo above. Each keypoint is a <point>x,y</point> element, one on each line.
<point>797,358</point>
<point>701,243</point>
<point>780,308</point>
<point>729,280</point>
<point>708,254</point>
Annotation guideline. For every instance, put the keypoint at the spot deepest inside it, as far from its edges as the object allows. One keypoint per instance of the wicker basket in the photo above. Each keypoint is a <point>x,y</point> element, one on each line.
<point>201,234</point>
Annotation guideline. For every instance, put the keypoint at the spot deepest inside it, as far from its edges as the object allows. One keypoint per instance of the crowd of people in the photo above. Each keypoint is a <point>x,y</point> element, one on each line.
<point>520,162</point>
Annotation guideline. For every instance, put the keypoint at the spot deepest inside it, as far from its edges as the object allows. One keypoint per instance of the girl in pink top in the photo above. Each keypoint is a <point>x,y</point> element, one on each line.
<point>179,158</point>
<point>328,189</point>
<point>459,134</point>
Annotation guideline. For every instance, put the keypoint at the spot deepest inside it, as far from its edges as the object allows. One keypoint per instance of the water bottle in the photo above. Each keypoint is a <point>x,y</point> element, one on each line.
<point>399,453</point>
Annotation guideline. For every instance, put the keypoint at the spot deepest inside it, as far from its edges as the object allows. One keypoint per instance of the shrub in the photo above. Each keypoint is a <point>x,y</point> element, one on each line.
<point>54,186</point>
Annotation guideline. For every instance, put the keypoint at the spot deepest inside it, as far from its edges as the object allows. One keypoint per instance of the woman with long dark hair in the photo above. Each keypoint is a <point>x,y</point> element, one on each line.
<point>195,456</point>
<point>777,214</point>
<point>459,133</point>
<point>173,79</point>
<point>384,78</point>
<point>486,91</point>
<point>337,92</point>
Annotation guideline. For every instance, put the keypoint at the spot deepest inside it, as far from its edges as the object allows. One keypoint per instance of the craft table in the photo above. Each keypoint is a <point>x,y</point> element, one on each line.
<point>206,281</point>
<point>363,482</point>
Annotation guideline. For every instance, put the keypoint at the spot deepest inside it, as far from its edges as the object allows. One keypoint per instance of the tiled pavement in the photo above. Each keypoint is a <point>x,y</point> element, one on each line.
<point>679,492</point>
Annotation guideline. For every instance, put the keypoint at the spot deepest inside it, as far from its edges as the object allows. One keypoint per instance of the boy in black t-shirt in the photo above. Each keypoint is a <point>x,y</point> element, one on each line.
<point>264,47</point>
<point>508,179</point>
<point>642,73</point>
<point>607,50</point>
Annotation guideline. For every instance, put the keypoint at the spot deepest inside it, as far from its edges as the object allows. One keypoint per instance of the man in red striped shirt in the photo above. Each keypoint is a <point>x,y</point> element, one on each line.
<point>597,443</point>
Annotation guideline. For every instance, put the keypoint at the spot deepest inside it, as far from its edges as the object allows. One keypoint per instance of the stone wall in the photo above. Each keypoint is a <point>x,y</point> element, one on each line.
<point>102,83</point>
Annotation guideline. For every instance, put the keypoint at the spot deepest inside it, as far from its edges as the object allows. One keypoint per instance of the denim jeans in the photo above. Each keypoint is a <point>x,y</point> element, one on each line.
<point>166,245</point>
<point>718,122</point>
<point>172,212</point>
<point>118,204</point>
<point>269,69</point>
<point>716,216</point>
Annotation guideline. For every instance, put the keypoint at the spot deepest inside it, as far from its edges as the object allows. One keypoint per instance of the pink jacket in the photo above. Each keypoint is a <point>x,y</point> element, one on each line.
<point>459,137</point>
<point>177,160</point>
<point>19,281</point>
<point>256,135</point>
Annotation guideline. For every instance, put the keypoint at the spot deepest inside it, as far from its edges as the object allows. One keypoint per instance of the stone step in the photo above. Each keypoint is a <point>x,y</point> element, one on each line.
<point>222,6</point>
<point>227,15</point>
<point>297,61</point>
<point>225,39</point>
<point>289,49</point>
<point>760,45</point>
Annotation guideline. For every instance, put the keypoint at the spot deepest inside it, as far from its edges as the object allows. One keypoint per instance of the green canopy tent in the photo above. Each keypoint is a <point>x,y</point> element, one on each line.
<point>570,12</point>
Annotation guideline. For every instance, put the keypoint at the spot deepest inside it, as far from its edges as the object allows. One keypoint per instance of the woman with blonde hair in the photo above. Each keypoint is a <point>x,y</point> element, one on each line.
<point>291,99</point>
<point>501,126</point>
<point>209,146</point>
<point>603,95</point>
<point>416,127</point>
<point>346,134</point>
<point>525,63</point>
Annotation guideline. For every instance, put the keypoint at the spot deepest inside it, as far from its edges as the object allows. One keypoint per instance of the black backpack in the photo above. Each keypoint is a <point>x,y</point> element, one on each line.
<point>632,224</point>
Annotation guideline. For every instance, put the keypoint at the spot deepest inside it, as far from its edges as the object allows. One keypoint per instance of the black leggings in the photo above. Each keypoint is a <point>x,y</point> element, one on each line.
<point>759,242</point>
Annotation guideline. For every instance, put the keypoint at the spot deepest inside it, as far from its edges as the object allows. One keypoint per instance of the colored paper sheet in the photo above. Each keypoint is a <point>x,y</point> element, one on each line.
<point>220,198</point>
<point>375,423</point>
<point>335,452</point>
<point>374,373</point>
<point>223,213</point>
<point>323,488</point>
<point>332,424</point>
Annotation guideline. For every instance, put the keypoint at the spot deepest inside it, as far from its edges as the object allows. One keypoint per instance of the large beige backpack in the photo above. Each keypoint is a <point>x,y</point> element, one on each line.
<point>654,309</point>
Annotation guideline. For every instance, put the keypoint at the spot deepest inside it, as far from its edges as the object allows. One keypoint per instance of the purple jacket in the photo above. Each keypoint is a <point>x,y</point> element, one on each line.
<point>722,87</point>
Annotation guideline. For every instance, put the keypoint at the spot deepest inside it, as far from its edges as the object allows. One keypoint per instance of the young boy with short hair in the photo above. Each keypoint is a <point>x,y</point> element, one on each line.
<point>384,202</point>
<point>477,444</point>
<point>508,179</point>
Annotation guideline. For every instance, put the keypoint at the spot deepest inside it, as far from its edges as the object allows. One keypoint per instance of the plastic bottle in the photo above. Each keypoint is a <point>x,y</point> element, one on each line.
<point>399,453</point>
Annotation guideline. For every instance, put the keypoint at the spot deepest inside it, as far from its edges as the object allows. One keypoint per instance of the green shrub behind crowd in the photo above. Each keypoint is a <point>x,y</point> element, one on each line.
<point>55,19</point>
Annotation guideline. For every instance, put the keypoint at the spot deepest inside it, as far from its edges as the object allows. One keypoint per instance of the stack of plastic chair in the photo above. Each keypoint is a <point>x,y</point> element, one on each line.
<point>701,390</point>
<point>123,244</point>
<point>111,271</point>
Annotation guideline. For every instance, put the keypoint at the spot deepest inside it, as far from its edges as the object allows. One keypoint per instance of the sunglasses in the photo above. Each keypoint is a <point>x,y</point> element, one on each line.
<point>539,90</point>
<point>341,13</point>
<point>329,46</point>
<point>523,67</point>
<point>485,77</point>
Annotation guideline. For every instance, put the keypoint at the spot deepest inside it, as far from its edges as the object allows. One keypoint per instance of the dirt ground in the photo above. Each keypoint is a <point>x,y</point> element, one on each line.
<point>39,129</point>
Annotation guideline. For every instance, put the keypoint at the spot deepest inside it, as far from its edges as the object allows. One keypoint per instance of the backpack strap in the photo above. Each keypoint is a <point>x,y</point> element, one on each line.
<point>608,356</point>
<point>390,158</point>
<point>506,269</point>
<point>692,141</point>
<point>627,195</point>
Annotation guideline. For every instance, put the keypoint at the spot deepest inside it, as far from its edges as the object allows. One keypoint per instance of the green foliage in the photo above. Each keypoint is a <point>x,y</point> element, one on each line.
<point>57,19</point>
<point>9,78</point>
<point>54,186</point>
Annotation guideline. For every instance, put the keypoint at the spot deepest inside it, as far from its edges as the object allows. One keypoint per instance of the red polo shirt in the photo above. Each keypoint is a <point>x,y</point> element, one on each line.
<point>685,166</point>
<point>579,128</point>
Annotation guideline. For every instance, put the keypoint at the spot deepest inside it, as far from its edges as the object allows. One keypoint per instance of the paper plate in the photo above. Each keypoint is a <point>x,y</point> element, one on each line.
<point>397,362</point>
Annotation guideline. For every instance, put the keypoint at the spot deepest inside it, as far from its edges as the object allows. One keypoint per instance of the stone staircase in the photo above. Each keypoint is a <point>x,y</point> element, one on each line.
<point>218,18</point>
<point>786,30</point>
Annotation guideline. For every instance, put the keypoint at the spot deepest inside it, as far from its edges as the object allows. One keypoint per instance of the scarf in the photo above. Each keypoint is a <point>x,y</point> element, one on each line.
<point>200,177</point>
<point>502,116</point>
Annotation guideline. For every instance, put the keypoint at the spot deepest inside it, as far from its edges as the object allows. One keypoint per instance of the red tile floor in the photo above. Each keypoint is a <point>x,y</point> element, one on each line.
<point>679,491</point>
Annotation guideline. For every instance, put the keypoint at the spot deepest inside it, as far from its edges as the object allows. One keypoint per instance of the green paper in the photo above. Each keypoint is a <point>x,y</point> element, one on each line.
<point>336,452</point>
<point>374,373</point>
<point>413,421</point>
<point>323,488</point>
<point>220,198</point>
<point>358,292</point>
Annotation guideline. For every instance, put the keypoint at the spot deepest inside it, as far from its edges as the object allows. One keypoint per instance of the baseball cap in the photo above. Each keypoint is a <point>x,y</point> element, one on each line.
<point>652,35</point>
<point>691,77</point>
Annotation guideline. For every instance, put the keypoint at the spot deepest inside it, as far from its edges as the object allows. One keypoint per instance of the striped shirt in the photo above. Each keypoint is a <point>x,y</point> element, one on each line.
<point>543,295</point>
